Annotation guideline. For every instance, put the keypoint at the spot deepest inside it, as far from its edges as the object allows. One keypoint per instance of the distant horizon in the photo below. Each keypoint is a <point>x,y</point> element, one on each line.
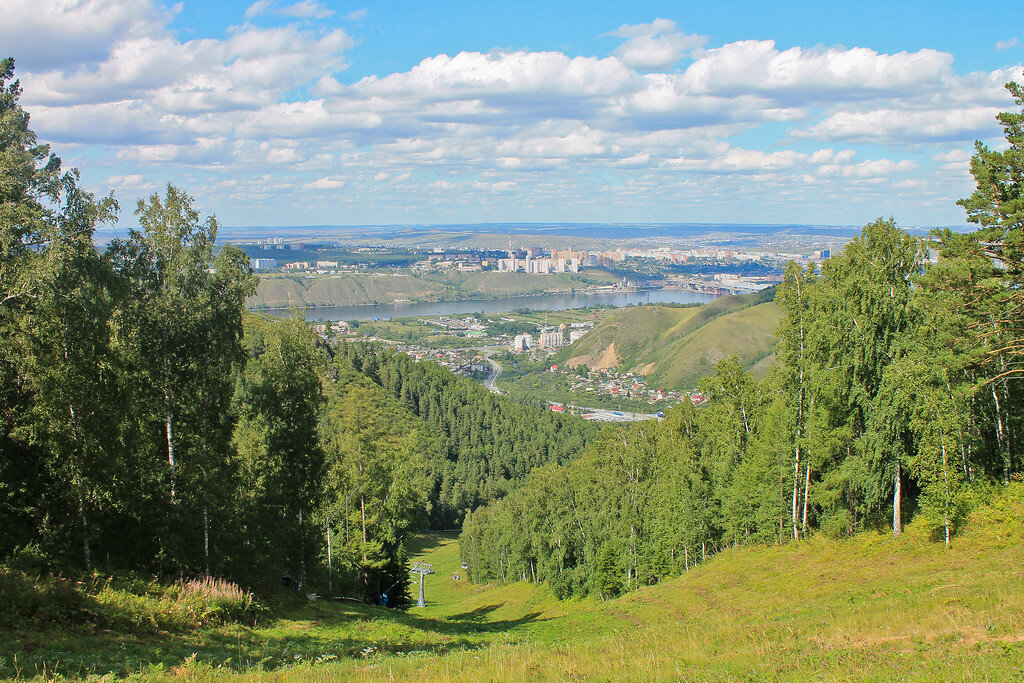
<point>528,227</point>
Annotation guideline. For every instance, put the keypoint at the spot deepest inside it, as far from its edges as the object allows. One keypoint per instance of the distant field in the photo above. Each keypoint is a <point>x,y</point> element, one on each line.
<point>868,607</point>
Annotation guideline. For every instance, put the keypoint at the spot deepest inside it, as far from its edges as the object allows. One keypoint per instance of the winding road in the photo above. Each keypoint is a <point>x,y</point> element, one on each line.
<point>495,371</point>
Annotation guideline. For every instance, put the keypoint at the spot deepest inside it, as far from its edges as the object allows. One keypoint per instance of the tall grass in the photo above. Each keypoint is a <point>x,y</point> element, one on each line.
<point>124,603</point>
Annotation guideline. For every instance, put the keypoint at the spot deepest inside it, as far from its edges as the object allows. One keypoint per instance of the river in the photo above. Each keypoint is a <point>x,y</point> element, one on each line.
<point>544,302</point>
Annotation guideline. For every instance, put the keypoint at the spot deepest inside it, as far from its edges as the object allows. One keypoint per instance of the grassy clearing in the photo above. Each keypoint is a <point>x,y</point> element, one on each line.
<point>863,608</point>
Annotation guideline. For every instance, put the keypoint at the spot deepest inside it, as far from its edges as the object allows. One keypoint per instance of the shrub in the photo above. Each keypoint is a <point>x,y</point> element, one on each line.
<point>124,603</point>
<point>37,600</point>
<point>175,607</point>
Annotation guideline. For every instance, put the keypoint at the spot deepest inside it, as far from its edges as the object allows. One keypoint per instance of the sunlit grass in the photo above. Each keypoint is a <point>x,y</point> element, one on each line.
<point>864,608</point>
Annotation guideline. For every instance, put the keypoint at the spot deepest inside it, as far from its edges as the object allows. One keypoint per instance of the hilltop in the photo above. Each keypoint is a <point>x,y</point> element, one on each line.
<point>281,291</point>
<point>863,607</point>
<point>676,346</point>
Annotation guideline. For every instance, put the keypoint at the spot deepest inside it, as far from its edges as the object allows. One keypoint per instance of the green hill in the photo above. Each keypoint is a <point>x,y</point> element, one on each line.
<point>868,607</point>
<point>279,291</point>
<point>675,347</point>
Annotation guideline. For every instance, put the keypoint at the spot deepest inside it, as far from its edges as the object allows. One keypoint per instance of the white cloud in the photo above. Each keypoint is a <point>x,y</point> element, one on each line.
<point>307,9</point>
<point>326,184</point>
<point>1007,44</point>
<point>134,179</point>
<point>814,74</point>
<point>44,34</point>
<point>357,15</point>
<point>872,168</point>
<point>268,99</point>
<point>257,8</point>
<point>904,126</point>
<point>304,9</point>
<point>503,73</point>
<point>953,156</point>
<point>657,45</point>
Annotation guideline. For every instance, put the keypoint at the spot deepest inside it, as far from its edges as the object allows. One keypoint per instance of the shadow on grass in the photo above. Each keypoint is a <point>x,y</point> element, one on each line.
<point>472,622</point>
<point>335,632</point>
<point>427,542</point>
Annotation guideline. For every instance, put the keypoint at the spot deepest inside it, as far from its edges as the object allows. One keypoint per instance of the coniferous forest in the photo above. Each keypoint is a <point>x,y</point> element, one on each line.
<point>149,424</point>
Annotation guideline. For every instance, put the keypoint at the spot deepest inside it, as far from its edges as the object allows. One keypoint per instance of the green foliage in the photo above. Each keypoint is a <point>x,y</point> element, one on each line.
<point>879,406</point>
<point>123,604</point>
<point>486,443</point>
<point>38,600</point>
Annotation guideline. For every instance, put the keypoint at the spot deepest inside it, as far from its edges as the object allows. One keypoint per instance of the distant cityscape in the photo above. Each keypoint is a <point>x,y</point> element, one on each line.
<point>709,269</point>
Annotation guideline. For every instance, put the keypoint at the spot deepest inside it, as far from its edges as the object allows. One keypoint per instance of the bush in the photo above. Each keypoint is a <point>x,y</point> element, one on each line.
<point>135,606</point>
<point>124,603</point>
<point>39,600</point>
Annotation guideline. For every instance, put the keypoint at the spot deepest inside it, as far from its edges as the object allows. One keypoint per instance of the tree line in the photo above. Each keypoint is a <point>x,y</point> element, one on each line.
<point>487,444</point>
<point>148,423</point>
<point>896,392</point>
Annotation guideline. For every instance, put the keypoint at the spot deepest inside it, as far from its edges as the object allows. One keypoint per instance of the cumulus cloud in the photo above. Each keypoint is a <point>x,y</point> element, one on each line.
<point>257,8</point>
<point>1007,44</point>
<point>304,9</point>
<point>134,179</point>
<point>270,95</point>
<point>44,34</point>
<point>326,184</point>
<point>307,9</point>
<point>499,73</point>
<point>813,74</point>
<point>657,45</point>
<point>904,126</point>
<point>953,156</point>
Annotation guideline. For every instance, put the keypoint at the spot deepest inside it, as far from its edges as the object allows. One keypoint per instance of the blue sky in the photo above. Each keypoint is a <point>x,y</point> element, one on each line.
<point>296,113</point>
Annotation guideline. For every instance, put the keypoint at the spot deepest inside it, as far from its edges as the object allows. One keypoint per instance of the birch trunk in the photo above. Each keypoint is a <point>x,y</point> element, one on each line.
<point>945,482</point>
<point>807,494</point>
<point>1001,436</point>
<point>169,428</point>
<point>796,491</point>
<point>897,501</point>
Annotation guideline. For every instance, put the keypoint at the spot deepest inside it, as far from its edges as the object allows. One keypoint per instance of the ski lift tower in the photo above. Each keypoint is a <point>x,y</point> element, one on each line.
<point>422,568</point>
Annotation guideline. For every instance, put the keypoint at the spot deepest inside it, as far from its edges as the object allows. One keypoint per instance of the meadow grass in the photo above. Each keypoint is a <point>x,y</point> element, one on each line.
<point>865,608</point>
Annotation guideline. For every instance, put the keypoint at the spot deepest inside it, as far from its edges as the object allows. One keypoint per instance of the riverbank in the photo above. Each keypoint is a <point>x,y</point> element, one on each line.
<point>537,302</point>
<point>381,288</point>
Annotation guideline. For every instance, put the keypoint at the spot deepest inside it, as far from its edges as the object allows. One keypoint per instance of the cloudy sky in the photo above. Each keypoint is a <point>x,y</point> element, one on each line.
<point>322,112</point>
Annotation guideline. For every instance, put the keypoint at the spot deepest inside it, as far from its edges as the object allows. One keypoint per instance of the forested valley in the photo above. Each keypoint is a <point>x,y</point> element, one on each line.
<point>148,424</point>
<point>896,393</point>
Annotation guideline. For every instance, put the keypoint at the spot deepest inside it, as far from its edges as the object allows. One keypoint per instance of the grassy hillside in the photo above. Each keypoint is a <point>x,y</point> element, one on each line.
<point>277,291</point>
<point>869,607</point>
<point>678,346</point>
<point>280,291</point>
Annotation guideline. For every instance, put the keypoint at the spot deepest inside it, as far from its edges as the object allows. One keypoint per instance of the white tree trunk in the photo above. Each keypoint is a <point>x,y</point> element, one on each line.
<point>807,495</point>
<point>897,501</point>
<point>796,491</point>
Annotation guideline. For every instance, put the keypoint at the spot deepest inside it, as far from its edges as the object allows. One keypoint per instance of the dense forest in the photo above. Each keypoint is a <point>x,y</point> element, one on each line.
<point>148,424</point>
<point>487,443</point>
<point>897,391</point>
